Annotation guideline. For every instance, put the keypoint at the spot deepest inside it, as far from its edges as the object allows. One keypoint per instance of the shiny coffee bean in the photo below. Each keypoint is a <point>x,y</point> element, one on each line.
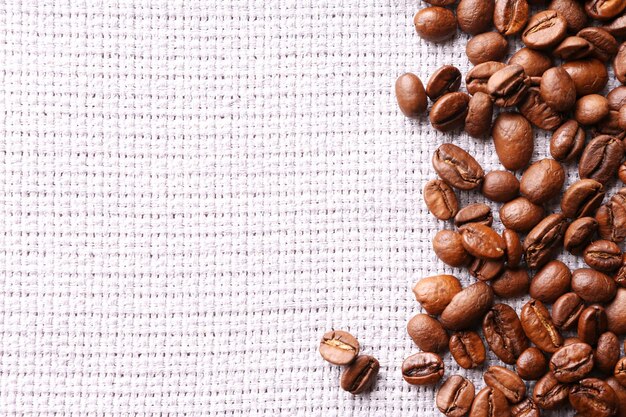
<point>572,363</point>
<point>539,328</point>
<point>526,408</point>
<point>603,255</point>
<point>479,115</point>
<point>535,63</point>
<point>609,126</point>
<point>567,142</point>
<point>474,213</point>
<point>620,275</point>
<point>590,109</point>
<point>573,13</point>
<point>449,248</point>
<point>593,397</point>
<point>579,234</point>
<point>488,46</point>
<point>538,112</point>
<point>513,139</point>
<point>440,199</point>
<point>436,292</point>
<point>449,111</point>
<point>593,286</point>
<point>521,215</point>
<point>573,48</point>
<point>549,393</point>
<point>467,307</point>
<point>619,64</point>
<point>475,16</point>
<point>476,79</point>
<point>616,313</point>
<point>611,218</point>
<point>507,382</point>
<point>511,283</point>
<point>620,371</point>
<point>457,168</point>
<point>544,240</point>
<point>607,352</point>
<point>339,347</point>
<point>482,241</point>
<point>500,186</point>
<point>486,270</point>
<point>531,364</point>
<point>620,392</point>
<point>571,341</point>
<point>617,97</point>
<point>504,333</point>
<point>604,44</point>
<point>423,368</point>
<point>446,79</point>
<point>508,86</point>
<point>360,375</point>
<point>616,27</point>
<point>514,248</point>
<point>601,158</point>
<point>489,402</point>
<point>411,95</point>
<point>591,324</point>
<point>427,333</point>
<point>582,198</point>
<point>551,282</point>
<point>604,9</point>
<point>566,310</point>
<point>542,181</point>
<point>589,75</point>
<point>435,24</point>
<point>557,89</point>
<point>467,349</point>
<point>455,396</point>
<point>510,16</point>
<point>544,30</point>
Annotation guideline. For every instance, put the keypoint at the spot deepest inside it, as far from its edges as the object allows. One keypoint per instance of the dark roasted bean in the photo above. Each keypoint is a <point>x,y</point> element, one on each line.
<point>513,140</point>
<point>479,115</point>
<point>566,310</point>
<point>449,248</point>
<point>589,75</point>
<point>427,333</point>
<point>601,158</point>
<point>500,186</point>
<point>591,324</point>
<point>526,408</point>
<point>514,248</point>
<point>508,86</point>
<point>616,313</point>
<point>603,255</point>
<point>467,307</point>
<point>582,198</point>
<point>467,349</point>
<point>475,16</point>
<point>489,402</point>
<point>593,286</point>
<point>531,364</point>
<point>482,241</point>
<point>579,234</point>
<point>446,79</point>
<point>435,24</point>
<point>593,397</point>
<point>360,376</point>
<point>423,368</point>
<point>511,283</point>
<point>488,46</point>
<point>521,215</point>
<point>551,282</point>
<point>572,363</point>
<point>504,334</point>
<point>537,111</point>
<point>567,141</point>
<point>411,95</point>
<point>510,16</point>
<point>572,48</point>
<point>604,44</point>
<point>539,328</point>
<point>477,78</point>
<point>474,213</point>
<point>611,218</point>
<point>486,270</point>
<point>449,111</point>
<point>545,30</point>
<point>457,168</point>
<point>557,89</point>
<point>507,382</point>
<point>607,352</point>
<point>544,240</point>
<point>542,181</point>
<point>440,199</point>
<point>549,393</point>
<point>573,13</point>
<point>455,396</point>
<point>535,63</point>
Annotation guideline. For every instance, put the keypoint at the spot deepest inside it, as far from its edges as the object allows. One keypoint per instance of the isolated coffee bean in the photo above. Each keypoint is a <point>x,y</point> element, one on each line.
<point>457,168</point>
<point>542,181</point>
<point>566,310</point>
<point>511,283</point>
<point>593,397</point>
<point>611,218</point>
<point>455,396</point>
<point>467,349</point>
<point>616,313</point>
<point>607,352</point>
<point>582,198</point>
<point>513,139</point>
<point>475,16</point>
<point>467,307</point>
<point>550,282</point>
<point>482,241</point>
<point>508,86</point>
<point>486,270</point>
<point>549,393</point>
<point>476,79</point>
<point>449,111</point>
<point>604,9</point>
<point>544,30</point>
<point>435,24</point>
<point>526,408</point>
<point>619,64</point>
<point>360,375</point>
<point>500,186</point>
<point>590,109</point>
<point>620,275</point>
<point>446,79</point>
<point>489,402</point>
<point>538,112</point>
<point>449,248</point>
<point>593,286</point>
<point>557,89</point>
<point>573,48</point>
<point>427,333</point>
<point>539,328</point>
<point>531,364</point>
<point>603,255</point>
<point>474,213</point>
<point>514,248</point>
<point>411,95</point>
<point>620,392</point>
<point>604,44</point>
<point>440,199</point>
<point>521,215</point>
<point>488,46</point>
<point>504,334</point>
<point>510,16</point>
<point>620,371</point>
<point>589,75</point>
<point>591,324</point>
<point>479,115</point>
<point>544,240</point>
<point>535,63</point>
<point>339,347</point>
<point>435,293</point>
<point>423,368</point>
<point>567,141</point>
<point>573,13</point>
<point>601,158</point>
<point>572,363</point>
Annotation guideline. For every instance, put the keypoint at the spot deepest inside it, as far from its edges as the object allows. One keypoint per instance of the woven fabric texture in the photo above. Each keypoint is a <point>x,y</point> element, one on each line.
<point>193,192</point>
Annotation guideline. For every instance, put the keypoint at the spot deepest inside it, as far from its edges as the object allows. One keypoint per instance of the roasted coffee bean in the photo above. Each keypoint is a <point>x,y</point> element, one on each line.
<point>482,241</point>
<point>549,393</point>
<point>544,240</point>
<point>603,255</point>
<point>360,376</point>
<point>339,347</point>
<point>573,13</point>
<point>531,364</point>
<point>411,95</point>
<point>489,402</point>
<point>557,89</point>
<point>510,16</point>
<point>607,352</point>
<point>572,48</point>
<point>479,115</point>
<point>604,44</point>
<point>500,186</point>
<point>611,218</point>
<point>504,334</point>
<point>474,213</point>
<point>467,349</point>
<point>593,397</point>
<point>449,111</point>
<point>435,24</point>
<point>435,293</point>
<point>590,109</point>
<point>617,27</point>
<point>508,86</point>
<point>620,276</point>
<point>604,9</point>
<point>566,310</point>
<point>579,234</point>
<point>601,158</point>
<point>593,286</point>
<point>457,168</point>
<point>622,123</point>
<point>467,307</point>
<point>486,270</point>
<point>572,363</point>
<point>477,78</point>
<point>609,126</point>
<point>455,396</point>
<point>488,46</point>
<point>589,75</point>
<point>582,198</point>
<point>617,97</point>
<point>526,408</point>
<point>539,328</point>
<point>475,16</point>
<point>551,282</point>
<point>537,111</point>
<point>521,215</point>
<point>514,248</point>
<point>619,64</point>
<point>620,392</point>
<point>571,341</point>
<point>513,140</point>
<point>446,79</point>
<point>448,247</point>
<point>535,63</point>
<point>567,141</point>
<point>616,313</point>
<point>423,368</point>
<point>440,199</point>
<point>544,30</point>
<point>427,333</point>
<point>542,181</point>
<point>511,283</point>
<point>507,382</point>
<point>620,371</point>
<point>591,324</point>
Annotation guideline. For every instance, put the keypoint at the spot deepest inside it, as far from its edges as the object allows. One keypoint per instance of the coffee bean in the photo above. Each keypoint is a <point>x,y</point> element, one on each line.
<point>617,97</point>
<point>360,376</point>
<point>508,86</point>
<point>544,240</point>
<point>526,408</point>
<point>488,46</point>
<point>427,333</point>
<point>411,95</point>
<point>582,198</point>
<point>604,44</point>
<point>616,27</point>
<point>513,140</point>
<point>603,255</point>
<point>593,397</point>
<point>535,63</point>
<point>449,112</point>
<point>604,9</point>
<point>482,241</point>
<point>521,215</point>
<point>551,282</point>
<point>446,79</point>
<point>448,247</point>
<point>571,341</point>
<point>479,115</point>
<point>537,111</point>
<point>514,248</point>
<point>549,393</point>
<point>609,126</point>
<point>573,13</point>
<point>455,396</point>
<point>435,293</point>
<point>616,313</point>
<point>440,199</point>
<point>489,402</point>
<point>339,347</point>
<point>620,371</point>
<point>619,64</point>
<point>572,363</point>
<point>467,307</point>
<point>476,79</point>
<point>531,364</point>
<point>591,324</point>
<point>474,213</point>
<point>620,276</point>
<point>542,181</point>
<point>507,382</point>
<point>539,328</point>
<point>607,352</point>
<point>572,48</point>
<point>467,349</point>
<point>510,16</point>
<point>622,123</point>
<point>611,218</point>
<point>511,283</point>
<point>601,158</point>
<point>544,30</point>
<point>504,334</point>
<point>435,24</point>
<point>567,141</point>
<point>593,286</point>
<point>557,89</point>
<point>486,270</point>
<point>423,368</point>
<point>589,75</point>
<point>590,109</point>
<point>566,310</point>
<point>620,392</point>
<point>457,168</point>
<point>475,16</point>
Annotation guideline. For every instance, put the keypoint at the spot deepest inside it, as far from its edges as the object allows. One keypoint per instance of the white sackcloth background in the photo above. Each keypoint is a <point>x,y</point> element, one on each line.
<point>193,192</point>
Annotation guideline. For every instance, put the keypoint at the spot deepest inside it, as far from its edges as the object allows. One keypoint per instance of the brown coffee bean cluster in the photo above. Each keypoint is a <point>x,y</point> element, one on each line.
<point>567,335</point>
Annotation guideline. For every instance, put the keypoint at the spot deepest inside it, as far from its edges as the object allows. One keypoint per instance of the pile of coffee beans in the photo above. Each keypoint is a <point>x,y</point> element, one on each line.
<point>567,335</point>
